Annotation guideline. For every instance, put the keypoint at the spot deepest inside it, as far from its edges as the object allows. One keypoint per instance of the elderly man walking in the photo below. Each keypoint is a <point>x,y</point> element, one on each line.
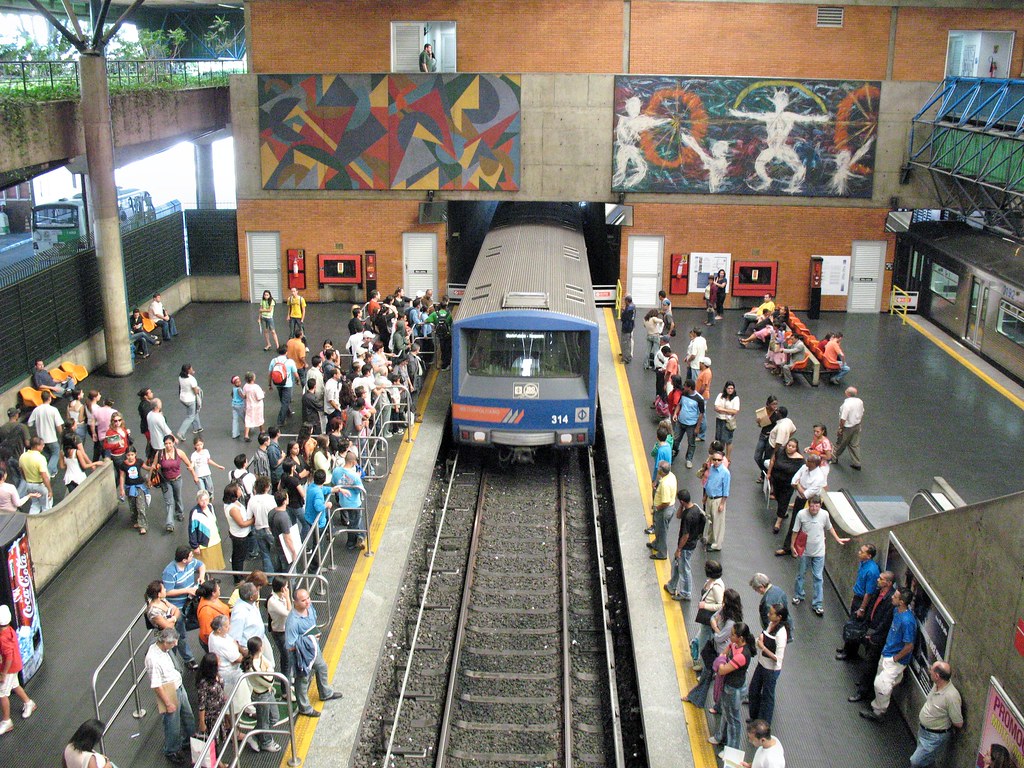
<point>851,414</point>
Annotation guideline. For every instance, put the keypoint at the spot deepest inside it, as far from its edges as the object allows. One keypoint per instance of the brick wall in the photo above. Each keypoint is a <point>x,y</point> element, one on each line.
<point>493,36</point>
<point>789,235</point>
<point>922,36</point>
<point>319,225</point>
<point>740,39</point>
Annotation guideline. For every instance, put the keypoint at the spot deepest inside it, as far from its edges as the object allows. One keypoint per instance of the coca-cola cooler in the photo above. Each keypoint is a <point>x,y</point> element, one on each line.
<point>18,591</point>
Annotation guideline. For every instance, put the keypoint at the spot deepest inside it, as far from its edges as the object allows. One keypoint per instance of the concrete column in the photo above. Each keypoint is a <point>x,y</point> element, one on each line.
<point>99,151</point>
<point>206,192</point>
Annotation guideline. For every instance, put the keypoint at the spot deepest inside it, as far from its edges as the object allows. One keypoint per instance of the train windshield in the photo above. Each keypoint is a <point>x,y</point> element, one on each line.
<point>534,354</point>
<point>55,216</point>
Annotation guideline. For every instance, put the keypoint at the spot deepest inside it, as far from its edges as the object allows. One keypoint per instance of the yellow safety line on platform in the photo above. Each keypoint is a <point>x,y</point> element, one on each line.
<point>952,352</point>
<point>305,727</point>
<point>696,721</point>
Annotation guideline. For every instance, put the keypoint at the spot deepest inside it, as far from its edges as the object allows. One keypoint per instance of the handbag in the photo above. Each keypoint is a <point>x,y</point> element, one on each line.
<point>196,746</point>
<point>704,616</point>
<point>800,543</point>
<point>155,478</point>
<point>189,611</point>
<point>854,630</point>
<point>730,423</point>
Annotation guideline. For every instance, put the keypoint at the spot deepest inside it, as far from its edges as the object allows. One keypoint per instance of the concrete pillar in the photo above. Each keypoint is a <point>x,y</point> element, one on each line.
<point>206,192</point>
<point>99,150</point>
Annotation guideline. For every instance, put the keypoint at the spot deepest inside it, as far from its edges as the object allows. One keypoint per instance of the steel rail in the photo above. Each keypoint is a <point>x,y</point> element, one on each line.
<point>563,551</point>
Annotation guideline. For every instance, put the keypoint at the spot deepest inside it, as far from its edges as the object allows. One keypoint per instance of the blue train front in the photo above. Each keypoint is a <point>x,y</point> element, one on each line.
<point>524,378</point>
<point>525,337</point>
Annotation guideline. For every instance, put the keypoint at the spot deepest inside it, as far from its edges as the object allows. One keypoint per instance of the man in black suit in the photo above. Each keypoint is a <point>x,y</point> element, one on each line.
<point>878,617</point>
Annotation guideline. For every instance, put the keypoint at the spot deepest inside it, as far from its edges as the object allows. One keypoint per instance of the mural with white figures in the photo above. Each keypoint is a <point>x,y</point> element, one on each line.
<point>744,136</point>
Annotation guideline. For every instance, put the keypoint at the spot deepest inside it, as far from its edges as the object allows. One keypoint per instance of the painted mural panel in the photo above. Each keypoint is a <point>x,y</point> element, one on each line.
<point>454,131</point>
<point>744,136</point>
<point>390,131</point>
<point>323,131</point>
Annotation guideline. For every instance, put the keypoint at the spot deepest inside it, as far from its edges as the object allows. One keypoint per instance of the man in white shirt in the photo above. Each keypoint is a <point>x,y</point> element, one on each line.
<point>851,414</point>
<point>332,395</point>
<point>158,427</point>
<point>246,620</point>
<point>162,317</point>
<point>260,505</point>
<point>316,374</point>
<point>48,424</point>
<point>770,753</point>
<point>172,698</point>
<point>783,430</point>
<point>696,350</point>
<point>359,342</point>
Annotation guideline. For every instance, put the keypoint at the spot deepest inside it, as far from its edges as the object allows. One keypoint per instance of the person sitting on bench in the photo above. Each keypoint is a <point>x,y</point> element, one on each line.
<point>43,380</point>
<point>754,315</point>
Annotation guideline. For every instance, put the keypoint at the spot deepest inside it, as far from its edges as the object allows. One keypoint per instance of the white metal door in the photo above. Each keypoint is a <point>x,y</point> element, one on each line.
<point>419,257</point>
<point>644,280</point>
<point>866,276</point>
<point>446,56</point>
<point>406,37</point>
<point>264,264</point>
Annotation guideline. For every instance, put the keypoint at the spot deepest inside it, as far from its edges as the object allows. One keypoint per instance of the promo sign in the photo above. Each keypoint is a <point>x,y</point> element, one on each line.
<point>1002,731</point>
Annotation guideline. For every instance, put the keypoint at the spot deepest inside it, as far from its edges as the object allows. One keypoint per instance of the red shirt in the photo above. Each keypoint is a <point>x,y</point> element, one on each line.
<point>832,353</point>
<point>9,650</point>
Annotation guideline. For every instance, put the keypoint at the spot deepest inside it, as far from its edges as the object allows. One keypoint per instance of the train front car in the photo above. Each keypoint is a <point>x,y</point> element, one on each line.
<point>525,340</point>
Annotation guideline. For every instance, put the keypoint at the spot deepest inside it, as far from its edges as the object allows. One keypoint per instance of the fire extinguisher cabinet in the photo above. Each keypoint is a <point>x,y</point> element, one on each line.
<point>296,263</point>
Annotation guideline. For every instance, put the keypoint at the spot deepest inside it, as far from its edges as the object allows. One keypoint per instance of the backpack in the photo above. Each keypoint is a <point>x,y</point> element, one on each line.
<point>279,372</point>
<point>442,327</point>
<point>661,406</point>
<point>238,476</point>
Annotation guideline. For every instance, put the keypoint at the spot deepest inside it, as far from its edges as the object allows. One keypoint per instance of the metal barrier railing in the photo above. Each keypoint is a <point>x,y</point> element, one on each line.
<point>314,583</point>
<point>62,76</point>
<point>137,648</point>
<point>897,307</point>
<point>236,736</point>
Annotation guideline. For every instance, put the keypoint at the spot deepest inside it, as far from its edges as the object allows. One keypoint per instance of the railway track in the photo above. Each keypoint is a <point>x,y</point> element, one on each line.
<point>508,659</point>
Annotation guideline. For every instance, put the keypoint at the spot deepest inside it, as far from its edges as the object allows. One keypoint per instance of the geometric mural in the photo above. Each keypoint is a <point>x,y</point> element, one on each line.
<point>744,136</point>
<point>454,131</point>
<point>380,131</point>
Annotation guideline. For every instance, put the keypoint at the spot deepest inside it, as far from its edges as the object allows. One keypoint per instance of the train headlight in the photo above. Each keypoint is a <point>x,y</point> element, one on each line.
<point>480,437</point>
<point>565,438</point>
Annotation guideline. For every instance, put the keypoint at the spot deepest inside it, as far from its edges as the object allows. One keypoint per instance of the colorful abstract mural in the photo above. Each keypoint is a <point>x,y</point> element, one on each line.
<point>457,131</point>
<point>324,131</point>
<point>744,136</point>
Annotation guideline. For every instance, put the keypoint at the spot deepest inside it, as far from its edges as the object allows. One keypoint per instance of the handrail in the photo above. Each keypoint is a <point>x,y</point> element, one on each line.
<point>312,577</point>
<point>214,730</point>
<point>895,308</point>
<point>98,700</point>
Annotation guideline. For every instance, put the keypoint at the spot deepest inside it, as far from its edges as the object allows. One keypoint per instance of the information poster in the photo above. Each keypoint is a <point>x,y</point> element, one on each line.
<point>1002,732</point>
<point>702,265</point>
<point>835,275</point>
<point>934,624</point>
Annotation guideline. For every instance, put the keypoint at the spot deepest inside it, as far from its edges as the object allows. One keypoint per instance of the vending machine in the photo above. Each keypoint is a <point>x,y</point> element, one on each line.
<point>17,591</point>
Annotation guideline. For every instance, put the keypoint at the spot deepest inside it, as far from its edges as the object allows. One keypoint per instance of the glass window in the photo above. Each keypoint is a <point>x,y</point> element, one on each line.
<point>409,51</point>
<point>56,216</point>
<point>534,354</point>
<point>944,283</point>
<point>1010,322</point>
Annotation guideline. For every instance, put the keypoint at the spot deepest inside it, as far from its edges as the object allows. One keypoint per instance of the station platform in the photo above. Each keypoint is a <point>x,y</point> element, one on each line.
<point>932,408</point>
<point>927,414</point>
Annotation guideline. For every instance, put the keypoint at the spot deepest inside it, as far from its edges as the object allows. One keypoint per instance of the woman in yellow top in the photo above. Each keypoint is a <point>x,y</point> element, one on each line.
<point>296,311</point>
<point>267,305</point>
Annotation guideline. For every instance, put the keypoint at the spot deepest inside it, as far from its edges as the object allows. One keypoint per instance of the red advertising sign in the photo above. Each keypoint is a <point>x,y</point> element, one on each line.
<point>1002,731</point>
<point>26,615</point>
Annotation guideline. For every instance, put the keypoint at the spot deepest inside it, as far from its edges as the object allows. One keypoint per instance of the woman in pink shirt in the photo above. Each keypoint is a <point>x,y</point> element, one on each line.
<point>10,499</point>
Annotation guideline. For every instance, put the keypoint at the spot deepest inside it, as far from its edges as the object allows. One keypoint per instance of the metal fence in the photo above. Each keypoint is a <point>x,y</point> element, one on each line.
<point>27,77</point>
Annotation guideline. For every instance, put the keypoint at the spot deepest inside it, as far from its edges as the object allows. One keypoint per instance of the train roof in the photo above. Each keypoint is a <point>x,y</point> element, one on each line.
<point>530,266</point>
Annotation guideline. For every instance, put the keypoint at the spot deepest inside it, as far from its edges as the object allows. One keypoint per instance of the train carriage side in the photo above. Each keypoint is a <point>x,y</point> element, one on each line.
<point>525,343</point>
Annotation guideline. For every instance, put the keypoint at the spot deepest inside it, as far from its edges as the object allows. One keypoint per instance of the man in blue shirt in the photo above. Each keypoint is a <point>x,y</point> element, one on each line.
<point>283,374</point>
<point>301,640</point>
<point>867,578</point>
<point>896,654</point>
<point>180,578</point>
<point>717,490</point>
<point>347,477</point>
<point>688,417</point>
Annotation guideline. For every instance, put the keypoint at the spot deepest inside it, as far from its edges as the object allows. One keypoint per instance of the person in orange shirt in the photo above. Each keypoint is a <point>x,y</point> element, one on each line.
<point>704,390</point>
<point>210,607</point>
<point>836,358</point>
<point>295,350</point>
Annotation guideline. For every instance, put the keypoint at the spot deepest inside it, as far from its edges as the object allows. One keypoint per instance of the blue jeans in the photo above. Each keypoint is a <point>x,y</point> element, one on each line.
<point>730,731</point>
<point>698,695</point>
<point>265,544</point>
<point>179,725</point>
<point>302,683</point>
<point>237,420</point>
<point>167,327</point>
<point>723,433</point>
<point>191,419</point>
<point>52,453</point>
<point>681,582</point>
<point>286,404</point>
<point>357,522</point>
<point>929,748</point>
<point>843,370</point>
<point>171,490</point>
<point>265,716</point>
<point>761,453</point>
<point>690,430</point>
<point>143,340</point>
<point>182,647</point>
<point>295,324</point>
<point>817,565</point>
<point>761,694</point>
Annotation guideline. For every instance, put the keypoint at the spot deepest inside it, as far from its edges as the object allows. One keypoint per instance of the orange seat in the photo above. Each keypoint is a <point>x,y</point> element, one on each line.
<point>78,371</point>
<point>147,323</point>
<point>59,375</point>
<point>30,396</point>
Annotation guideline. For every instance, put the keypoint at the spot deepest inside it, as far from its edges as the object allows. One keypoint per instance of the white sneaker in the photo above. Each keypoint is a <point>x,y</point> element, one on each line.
<point>6,727</point>
<point>689,465</point>
<point>28,709</point>
<point>271,747</point>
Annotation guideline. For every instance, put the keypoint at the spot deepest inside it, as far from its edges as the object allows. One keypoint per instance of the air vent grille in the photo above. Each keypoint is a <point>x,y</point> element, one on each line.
<point>830,17</point>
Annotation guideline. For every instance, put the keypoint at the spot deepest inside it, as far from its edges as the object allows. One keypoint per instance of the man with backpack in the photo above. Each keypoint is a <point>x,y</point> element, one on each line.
<point>441,319</point>
<point>284,375</point>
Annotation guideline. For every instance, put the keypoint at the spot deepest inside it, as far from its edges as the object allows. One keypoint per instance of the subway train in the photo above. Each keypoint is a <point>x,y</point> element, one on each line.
<point>525,338</point>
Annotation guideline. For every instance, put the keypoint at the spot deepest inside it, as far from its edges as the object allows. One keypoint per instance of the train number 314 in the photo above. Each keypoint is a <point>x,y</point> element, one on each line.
<point>559,418</point>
